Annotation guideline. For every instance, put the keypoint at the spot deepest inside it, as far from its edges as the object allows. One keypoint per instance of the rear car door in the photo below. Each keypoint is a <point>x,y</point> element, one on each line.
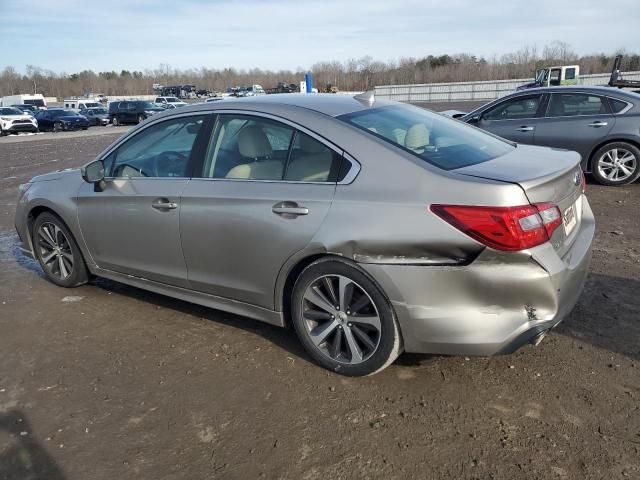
<point>265,188</point>
<point>515,119</point>
<point>575,121</point>
<point>132,225</point>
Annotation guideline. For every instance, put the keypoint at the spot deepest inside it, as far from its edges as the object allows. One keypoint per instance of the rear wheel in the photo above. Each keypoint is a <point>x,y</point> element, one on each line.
<point>57,252</point>
<point>141,118</point>
<point>616,164</point>
<point>343,319</point>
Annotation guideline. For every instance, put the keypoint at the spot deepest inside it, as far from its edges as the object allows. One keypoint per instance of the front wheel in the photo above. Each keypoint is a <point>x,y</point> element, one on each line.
<point>141,118</point>
<point>57,252</point>
<point>343,319</point>
<point>616,164</point>
<point>115,121</point>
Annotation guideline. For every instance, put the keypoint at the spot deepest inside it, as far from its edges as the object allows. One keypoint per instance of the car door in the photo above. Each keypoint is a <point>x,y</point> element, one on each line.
<point>515,119</point>
<point>132,224</point>
<point>264,190</point>
<point>575,121</point>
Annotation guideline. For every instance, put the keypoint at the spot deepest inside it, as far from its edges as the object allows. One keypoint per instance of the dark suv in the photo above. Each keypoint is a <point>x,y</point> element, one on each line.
<point>133,111</point>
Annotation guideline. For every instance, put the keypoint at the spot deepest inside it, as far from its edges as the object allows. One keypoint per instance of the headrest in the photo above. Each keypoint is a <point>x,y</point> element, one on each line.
<point>253,143</point>
<point>417,138</point>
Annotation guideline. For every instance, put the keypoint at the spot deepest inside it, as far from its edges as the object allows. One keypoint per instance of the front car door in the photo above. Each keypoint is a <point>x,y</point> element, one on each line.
<point>515,118</point>
<point>132,226</point>
<point>575,121</point>
<point>264,191</point>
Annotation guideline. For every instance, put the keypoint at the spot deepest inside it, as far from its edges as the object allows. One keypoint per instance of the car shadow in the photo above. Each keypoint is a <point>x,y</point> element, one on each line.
<point>21,456</point>
<point>285,338</point>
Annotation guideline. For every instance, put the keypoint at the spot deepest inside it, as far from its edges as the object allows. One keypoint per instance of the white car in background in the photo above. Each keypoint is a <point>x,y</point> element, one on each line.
<point>173,101</point>
<point>14,120</point>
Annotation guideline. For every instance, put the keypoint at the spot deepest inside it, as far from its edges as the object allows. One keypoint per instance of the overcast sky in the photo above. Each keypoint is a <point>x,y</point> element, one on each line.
<point>72,35</point>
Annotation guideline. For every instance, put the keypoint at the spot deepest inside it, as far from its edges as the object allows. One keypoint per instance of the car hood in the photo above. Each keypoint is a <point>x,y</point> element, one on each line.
<point>17,117</point>
<point>45,177</point>
<point>70,118</point>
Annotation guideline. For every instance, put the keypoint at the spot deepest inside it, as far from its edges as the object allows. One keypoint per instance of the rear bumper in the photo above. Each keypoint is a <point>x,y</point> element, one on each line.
<point>494,305</point>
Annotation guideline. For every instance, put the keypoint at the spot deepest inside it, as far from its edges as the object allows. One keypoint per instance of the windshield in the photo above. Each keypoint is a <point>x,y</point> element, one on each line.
<point>10,111</point>
<point>148,105</point>
<point>37,102</point>
<point>431,137</point>
<point>91,104</point>
<point>98,111</point>
<point>172,99</point>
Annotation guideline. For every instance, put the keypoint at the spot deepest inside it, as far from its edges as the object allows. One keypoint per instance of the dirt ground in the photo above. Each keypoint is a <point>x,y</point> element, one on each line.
<point>110,382</point>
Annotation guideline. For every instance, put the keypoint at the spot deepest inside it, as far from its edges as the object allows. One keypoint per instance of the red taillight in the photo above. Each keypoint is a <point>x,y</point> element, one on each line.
<point>503,228</point>
<point>584,182</point>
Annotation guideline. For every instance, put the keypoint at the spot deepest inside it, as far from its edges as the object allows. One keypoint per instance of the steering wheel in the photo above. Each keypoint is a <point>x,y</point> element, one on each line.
<point>169,162</point>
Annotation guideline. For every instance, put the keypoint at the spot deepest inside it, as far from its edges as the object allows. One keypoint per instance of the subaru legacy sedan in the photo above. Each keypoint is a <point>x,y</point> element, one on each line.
<point>370,227</point>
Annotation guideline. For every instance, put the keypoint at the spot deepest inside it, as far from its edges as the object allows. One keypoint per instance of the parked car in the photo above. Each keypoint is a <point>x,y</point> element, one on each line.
<point>600,123</point>
<point>78,104</point>
<point>97,116</point>
<point>173,101</point>
<point>28,109</point>
<point>132,111</point>
<point>14,120</point>
<point>37,100</point>
<point>370,226</point>
<point>57,119</point>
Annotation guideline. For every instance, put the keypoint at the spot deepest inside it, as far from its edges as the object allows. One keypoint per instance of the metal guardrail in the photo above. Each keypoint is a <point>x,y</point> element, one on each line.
<point>474,91</point>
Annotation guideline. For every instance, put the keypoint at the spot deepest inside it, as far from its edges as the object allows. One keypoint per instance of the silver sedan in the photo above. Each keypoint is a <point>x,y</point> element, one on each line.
<point>369,226</point>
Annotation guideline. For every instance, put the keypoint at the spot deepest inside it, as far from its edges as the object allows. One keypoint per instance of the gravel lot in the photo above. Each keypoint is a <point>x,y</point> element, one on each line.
<point>107,381</point>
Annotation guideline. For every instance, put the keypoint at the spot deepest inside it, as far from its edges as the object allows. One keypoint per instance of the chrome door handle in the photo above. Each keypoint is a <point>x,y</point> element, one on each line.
<point>163,204</point>
<point>289,209</point>
<point>525,129</point>
<point>598,124</point>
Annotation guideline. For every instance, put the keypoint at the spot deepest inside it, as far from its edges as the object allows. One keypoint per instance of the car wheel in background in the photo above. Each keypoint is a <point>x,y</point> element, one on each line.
<point>115,121</point>
<point>2,132</point>
<point>57,126</point>
<point>57,251</point>
<point>141,118</point>
<point>343,319</point>
<point>616,164</point>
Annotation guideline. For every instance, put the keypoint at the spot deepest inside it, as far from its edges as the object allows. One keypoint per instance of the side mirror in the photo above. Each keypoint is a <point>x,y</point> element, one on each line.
<point>475,119</point>
<point>93,172</point>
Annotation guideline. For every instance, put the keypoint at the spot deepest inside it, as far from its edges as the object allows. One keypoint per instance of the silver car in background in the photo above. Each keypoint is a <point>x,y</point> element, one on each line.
<point>371,227</point>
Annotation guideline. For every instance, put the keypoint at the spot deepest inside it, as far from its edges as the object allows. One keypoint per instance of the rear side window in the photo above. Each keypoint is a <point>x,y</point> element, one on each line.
<point>433,138</point>
<point>245,147</point>
<point>514,109</point>
<point>617,105</point>
<point>570,74</point>
<point>573,104</point>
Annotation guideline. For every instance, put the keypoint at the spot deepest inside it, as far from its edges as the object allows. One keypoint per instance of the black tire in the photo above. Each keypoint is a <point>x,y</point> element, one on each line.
<point>2,133</point>
<point>85,128</point>
<point>389,342</point>
<point>603,164</point>
<point>77,273</point>
<point>115,121</point>
<point>141,118</point>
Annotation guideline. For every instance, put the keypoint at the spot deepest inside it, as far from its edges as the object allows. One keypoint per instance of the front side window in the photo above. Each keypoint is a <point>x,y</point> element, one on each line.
<point>514,109</point>
<point>160,150</point>
<point>554,80</point>
<point>433,138</point>
<point>573,104</point>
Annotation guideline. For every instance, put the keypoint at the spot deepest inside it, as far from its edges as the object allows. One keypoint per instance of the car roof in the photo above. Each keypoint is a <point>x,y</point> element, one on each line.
<point>600,90</point>
<point>330,104</point>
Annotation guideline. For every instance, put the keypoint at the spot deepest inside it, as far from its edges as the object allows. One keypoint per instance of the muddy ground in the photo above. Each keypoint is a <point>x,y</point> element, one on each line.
<point>107,381</point>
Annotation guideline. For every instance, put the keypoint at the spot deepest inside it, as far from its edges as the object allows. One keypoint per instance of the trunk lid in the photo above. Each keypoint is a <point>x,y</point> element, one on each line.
<point>546,175</point>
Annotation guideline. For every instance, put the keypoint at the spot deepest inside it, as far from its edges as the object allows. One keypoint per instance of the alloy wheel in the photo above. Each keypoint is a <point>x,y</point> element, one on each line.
<point>55,250</point>
<point>341,319</point>
<point>617,164</point>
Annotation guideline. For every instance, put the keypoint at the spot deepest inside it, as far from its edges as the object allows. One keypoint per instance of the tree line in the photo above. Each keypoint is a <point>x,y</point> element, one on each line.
<point>351,75</point>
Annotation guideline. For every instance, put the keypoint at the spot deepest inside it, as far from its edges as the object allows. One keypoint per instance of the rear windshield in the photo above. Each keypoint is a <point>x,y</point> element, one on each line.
<point>436,139</point>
